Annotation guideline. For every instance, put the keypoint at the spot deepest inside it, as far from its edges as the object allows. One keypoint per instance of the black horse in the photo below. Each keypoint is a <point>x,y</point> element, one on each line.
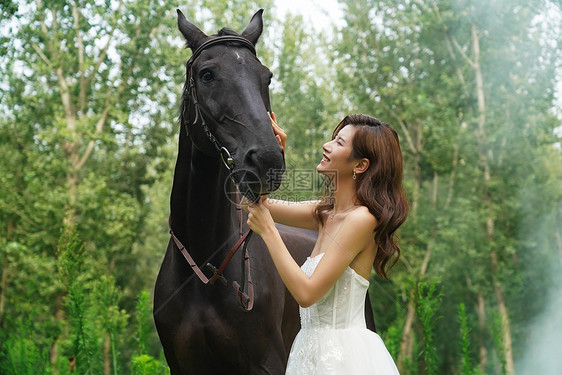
<point>226,143</point>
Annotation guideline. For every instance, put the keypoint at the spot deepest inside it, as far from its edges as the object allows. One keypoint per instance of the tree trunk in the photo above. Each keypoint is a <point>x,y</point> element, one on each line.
<point>416,187</point>
<point>490,224</point>
<point>407,341</point>
<point>474,63</point>
<point>480,309</point>
<point>505,324</point>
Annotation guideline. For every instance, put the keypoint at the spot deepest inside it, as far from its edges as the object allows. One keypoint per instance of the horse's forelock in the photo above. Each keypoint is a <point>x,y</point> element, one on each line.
<point>226,31</point>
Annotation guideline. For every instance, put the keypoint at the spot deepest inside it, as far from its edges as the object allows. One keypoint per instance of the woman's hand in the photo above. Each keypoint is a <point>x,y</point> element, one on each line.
<point>259,218</point>
<point>245,202</point>
<point>279,133</point>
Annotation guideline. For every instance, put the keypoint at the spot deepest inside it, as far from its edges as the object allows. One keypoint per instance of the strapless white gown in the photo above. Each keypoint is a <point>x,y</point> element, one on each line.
<point>334,338</point>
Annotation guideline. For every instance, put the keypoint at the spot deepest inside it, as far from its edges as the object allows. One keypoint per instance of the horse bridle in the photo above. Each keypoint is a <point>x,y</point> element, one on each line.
<point>190,93</point>
<point>246,293</point>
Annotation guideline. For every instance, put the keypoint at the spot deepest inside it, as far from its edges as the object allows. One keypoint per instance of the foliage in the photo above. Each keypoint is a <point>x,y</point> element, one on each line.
<point>467,140</point>
<point>466,367</point>
<point>147,365</point>
<point>392,334</point>
<point>428,302</point>
<point>495,328</point>
<point>21,355</point>
<point>89,105</point>
<point>301,85</point>
<point>143,310</point>
<point>74,278</point>
<point>88,122</point>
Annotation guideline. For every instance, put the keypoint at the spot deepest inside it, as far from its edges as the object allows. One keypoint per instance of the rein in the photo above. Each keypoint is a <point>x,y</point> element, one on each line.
<point>246,291</point>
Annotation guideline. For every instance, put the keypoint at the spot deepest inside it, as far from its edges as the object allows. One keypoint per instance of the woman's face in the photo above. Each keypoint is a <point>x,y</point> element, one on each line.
<point>336,154</point>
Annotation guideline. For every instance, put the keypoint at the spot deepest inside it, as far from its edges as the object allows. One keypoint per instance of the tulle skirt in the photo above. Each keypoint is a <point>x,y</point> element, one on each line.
<point>350,351</point>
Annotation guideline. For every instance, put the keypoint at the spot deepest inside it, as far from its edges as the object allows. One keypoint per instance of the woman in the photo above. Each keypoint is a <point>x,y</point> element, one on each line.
<point>356,224</point>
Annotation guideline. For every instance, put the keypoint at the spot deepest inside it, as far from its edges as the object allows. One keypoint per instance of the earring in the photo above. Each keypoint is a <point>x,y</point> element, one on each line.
<point>354,175</point>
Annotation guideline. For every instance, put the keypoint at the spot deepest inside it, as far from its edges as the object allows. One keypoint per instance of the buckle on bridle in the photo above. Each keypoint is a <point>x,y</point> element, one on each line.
<point>227,159</point>
<point>216,275</point>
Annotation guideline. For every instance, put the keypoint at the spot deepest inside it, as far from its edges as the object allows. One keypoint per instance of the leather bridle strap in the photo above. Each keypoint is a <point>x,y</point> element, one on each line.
<point>220,40</point>
<point>190,92</point>
<point>247,299</point>
<point>246,294</point>
<point>225,155</point>
<point>217,273</point>
<point>189,259</point>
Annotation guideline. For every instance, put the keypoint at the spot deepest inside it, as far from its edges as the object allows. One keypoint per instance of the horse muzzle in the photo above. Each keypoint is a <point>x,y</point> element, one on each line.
<point>260,174</point>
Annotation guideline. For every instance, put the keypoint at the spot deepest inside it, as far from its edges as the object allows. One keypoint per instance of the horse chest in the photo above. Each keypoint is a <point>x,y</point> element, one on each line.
<point>212,332</point>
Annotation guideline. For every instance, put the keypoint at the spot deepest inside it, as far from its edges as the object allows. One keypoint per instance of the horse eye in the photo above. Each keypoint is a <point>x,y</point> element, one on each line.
<point>207,76</point>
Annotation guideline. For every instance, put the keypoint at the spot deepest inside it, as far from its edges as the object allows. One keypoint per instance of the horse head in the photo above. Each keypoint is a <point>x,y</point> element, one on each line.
<point>225,105</point>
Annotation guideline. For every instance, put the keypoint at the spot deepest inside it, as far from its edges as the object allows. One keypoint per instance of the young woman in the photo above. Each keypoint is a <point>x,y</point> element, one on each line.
<point>356,224</point>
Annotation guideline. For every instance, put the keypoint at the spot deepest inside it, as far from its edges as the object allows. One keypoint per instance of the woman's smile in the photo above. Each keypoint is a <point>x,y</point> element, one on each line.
<point>337,151</point>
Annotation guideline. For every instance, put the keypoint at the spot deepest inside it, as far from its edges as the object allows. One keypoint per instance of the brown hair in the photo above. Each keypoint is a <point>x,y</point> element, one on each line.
<point>379,188</point>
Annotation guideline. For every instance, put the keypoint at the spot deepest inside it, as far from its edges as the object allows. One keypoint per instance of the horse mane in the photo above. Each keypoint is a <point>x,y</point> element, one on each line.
<point>181,118</point>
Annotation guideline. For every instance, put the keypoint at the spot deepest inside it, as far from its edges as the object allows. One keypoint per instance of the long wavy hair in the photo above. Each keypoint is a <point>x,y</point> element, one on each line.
<point>379,188</point>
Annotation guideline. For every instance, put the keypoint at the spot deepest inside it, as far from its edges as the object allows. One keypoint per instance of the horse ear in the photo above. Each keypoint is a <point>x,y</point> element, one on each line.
<point>193,36</point>
<point>254,28</point>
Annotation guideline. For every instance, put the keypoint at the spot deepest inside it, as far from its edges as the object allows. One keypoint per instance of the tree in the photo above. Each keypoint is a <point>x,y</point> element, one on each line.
<point>388,68</point>
<point>303,103</point>
<point>89,99</point>
<point>79,128</point>
<point>445,73</point>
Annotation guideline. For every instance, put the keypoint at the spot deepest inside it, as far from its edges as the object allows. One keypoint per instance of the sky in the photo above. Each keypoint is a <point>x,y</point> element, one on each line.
<point>320,12</point>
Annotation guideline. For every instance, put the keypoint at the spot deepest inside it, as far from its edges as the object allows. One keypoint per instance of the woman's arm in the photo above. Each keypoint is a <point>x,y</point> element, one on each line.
<point>295,214</point>
<point>352,238</point>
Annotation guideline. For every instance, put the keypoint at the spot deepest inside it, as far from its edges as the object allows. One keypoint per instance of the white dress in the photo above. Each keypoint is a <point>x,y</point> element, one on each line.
<point>334,338</point>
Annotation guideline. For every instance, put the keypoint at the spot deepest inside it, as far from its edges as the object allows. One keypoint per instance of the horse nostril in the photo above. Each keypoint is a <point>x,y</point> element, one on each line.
<point>262,160</point>
<point>252,157</point>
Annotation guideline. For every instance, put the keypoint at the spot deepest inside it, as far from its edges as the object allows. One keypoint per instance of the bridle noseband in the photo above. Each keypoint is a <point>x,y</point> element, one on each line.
<point>191,94</point>
<point>246,291</point>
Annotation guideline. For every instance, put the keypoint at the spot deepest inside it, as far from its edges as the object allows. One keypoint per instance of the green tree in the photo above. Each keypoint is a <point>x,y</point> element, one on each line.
<point>469,87</point>
<point>388,68</point>
<point>89,101</point>
<point>79,127</point>
<point>302,101</point>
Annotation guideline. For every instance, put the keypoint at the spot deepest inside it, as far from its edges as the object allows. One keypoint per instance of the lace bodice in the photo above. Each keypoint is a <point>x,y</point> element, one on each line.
<point>342,307</point>
<point>333,339</point>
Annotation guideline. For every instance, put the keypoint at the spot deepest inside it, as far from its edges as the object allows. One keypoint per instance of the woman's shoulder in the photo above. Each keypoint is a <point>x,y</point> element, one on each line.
<point>362,218</point>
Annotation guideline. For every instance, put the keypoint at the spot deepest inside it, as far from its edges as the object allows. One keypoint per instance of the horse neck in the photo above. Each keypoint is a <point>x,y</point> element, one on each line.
<point>202,216</point>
